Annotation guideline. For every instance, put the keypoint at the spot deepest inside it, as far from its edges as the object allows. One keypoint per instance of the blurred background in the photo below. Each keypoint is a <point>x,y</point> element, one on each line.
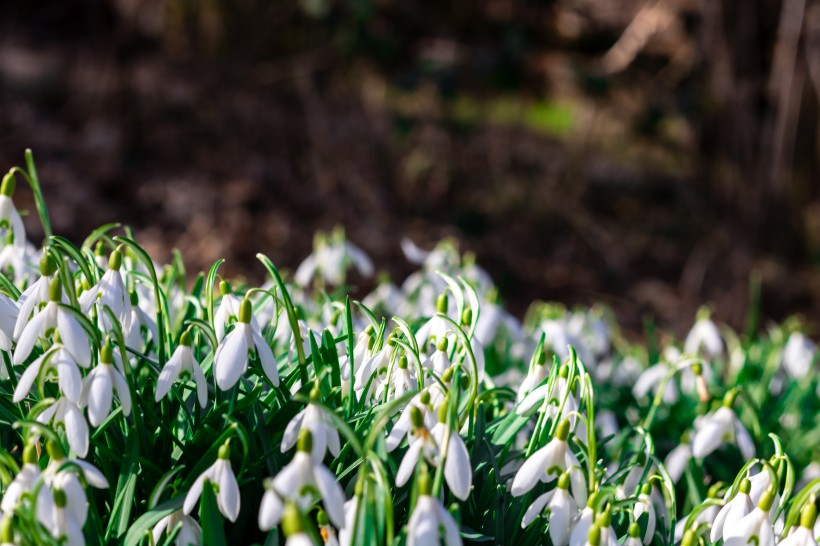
<point>651,154</point>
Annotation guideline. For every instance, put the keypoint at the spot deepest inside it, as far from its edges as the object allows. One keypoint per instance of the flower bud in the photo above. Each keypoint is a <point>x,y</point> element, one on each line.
<point>416,417</point>
<point>562,432</point>
<point>767,500</point>
<point>185,338</point>
<point>563,371</point>
<point>729,399</point>
<point>30,454</point>
<point>447,376</point>
<point>47,265</point>
<point>8,186</point>
<point>604,519</point>
<point>106,354</point>
<point>305,442</point>
<point>594,535</point>
<point>291,520</point>
<point>808,515</point>
<point>467,317</point>
<point>321,518</point>
<point>245,311</point>
<point>423,481</point>
<point>443,344</point>
<point>224,452</point>
<point>442,303</point>
<point>634,530</point>
<point>60,498</point>
<point>745,486</point>
<point>424,397</point>
<point>563,481</point>
<point>442,410</point>
<point>402,362</point>
<point>115,260</point>
<point>55,450</point>
<point>55,290</point>
<point>689,538</point>
<point>225,288</point>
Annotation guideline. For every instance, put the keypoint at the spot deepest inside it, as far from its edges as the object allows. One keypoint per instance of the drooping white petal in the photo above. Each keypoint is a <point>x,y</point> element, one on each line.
<point>231,358</point>
<point>533,469</point>
<point>169,374</point>
<point>195,492</point>
<point>408,463</point>
<point>27,379</point>
<point>270,511</point>
<point>332,495</point>
<point>100,392</point>
<point>266,358</point>
<point>76,429</point>
<point>28,337</point>
<point>228,495</point>
<point>73,335</point>
<point>457,469</point>
<point>534,510</point>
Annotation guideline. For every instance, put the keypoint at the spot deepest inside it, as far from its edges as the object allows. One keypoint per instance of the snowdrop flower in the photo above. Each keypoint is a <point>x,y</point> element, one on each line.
<point>436,326</point>
<point>438,361</point>
<point>374,368</point>
<point>99,387</point>
<point>704,335</point>
<point>400,381</point>
<point>604,525</point>
<point>560,389</point>
<point>8,318</point>
<point>182,365</point>
<point>431,445</point>
<point>56,359</point>
<point>36,294</point>
<point>677,460</point>
<point>583,524</point>
<point>722,426</point>
<point>646,506</point>
<point>429,518</point>
<point>313,419</point>
<point>426,402</point>
<point>535,376</point>
<point>803,534</point>
<point>651,379</point>
<point>64,525</point>
<point>69,482</point>
<point>54,316</point>
<point>755,527</point>
<point>331,258</point>
<point>540,465</point>
<point>70,416</point>
<point>228,311</point>
<point>143,326</point>
<point>110,292</point>
<point>231,359</point>
<point>345,534</point>
<point>633,537</point>
<point>9,217</point>
<point>798,355</point>
<point>219,474</point>
<point>562,508</point>
<point>732,512</point>
<point>190,533</point>
<point>24,482</point>
<point>299,481</point>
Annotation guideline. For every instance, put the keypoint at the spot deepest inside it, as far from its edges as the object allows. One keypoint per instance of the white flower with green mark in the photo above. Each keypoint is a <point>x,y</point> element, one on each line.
<point>228,311</point>
<point>561,506</point>
<point>315,420</point>
<point>190,533</point>
<point>233,353</point>
<point>721,427</point>
<point>546,463</point>
<point>56,360</point>
<point>301,481</point>
<point>220,474</point>
<point>732,512</point>
<point>110,292</point>
<point>754,528</point>
<point>803,535</point>
<point>9,217</point>
<point>100,385</point>
<point>430,519</point>
<point>63,412</point>
<point>54,316</point>
<point>182,365</point>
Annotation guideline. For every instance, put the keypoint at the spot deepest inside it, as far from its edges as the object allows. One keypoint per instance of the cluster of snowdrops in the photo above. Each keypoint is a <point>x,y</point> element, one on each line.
<point>142,404</point>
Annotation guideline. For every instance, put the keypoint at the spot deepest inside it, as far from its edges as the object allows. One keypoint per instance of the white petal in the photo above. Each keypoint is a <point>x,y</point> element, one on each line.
<point>744,440</point>
<point>332,494</point>
<point>533,470</point>
<point>201,385</point>
<point>195,492</point>
<point>291,434</point>
<point>266,358</point>
<point>92,474</point>
<point>169,374</point>
<point>270,511</point>
<point>76,430</point>
<point>28,338</point>
<point>408,463</point>
<point>74,337</point>
<point>457,469</point>
<point>231,359</point>
<point>708,438</point>
<point>228,496</point>
<point>27,379</point>
<point>559,518</point>
<point>123,392</point>
<point>71,382</point>
<point>452,537</point>
<point>677,460</point>
<point>100,394</point>
<point>535,509</point>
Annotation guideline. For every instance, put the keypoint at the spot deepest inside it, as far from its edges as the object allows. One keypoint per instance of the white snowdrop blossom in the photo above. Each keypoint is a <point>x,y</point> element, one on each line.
<point>646,506</point>
<point>66,413</point>
<point>231,359</point>
<point>110,292</point>
<point>228,311</point>
<point>330,260</point>
<point>313,418</point>
<point>56,360</point>
<point>9,217</point>
<point>52,316</point>
<point>8,318</point>
<point>562,508</point>
<point>182,365</point>
<point>219,475</point>
<point>704,336</point>
<point>732,512</point>
<point>798,355</point>
<point>433,445</point>
<point>300,481</point>
<point>755,527</point>
<point>542,464</point>
<point>190,533</point>
<point>803,535</point>
<point>100,385</point>
<point>426,402</point>
<point>430,520</point>
<point>720,427</point>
